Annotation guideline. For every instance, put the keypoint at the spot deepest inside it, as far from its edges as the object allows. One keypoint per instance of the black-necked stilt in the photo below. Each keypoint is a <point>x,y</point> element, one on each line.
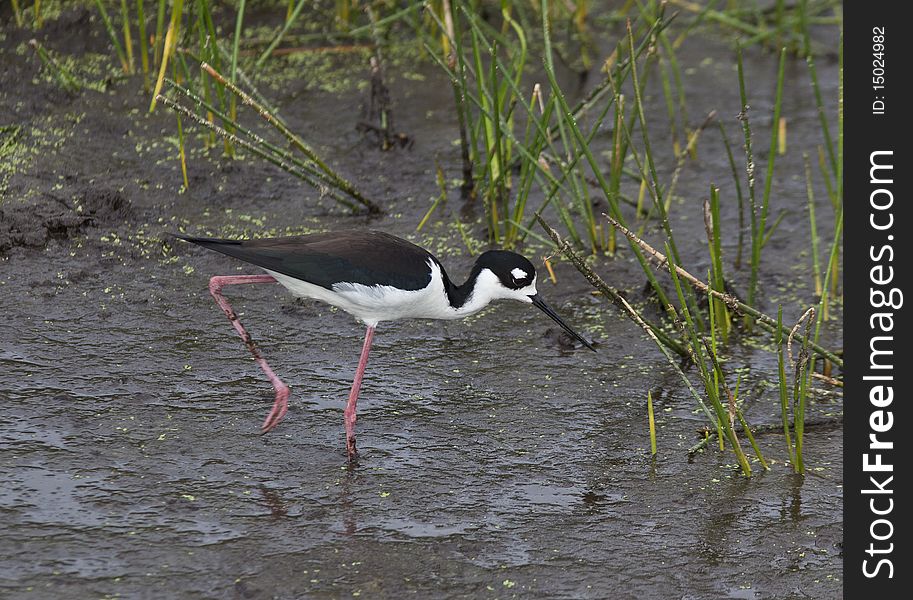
<point>375,277</point>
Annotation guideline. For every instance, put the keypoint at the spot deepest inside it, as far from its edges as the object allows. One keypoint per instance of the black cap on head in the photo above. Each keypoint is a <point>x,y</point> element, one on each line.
<point>514,271</point>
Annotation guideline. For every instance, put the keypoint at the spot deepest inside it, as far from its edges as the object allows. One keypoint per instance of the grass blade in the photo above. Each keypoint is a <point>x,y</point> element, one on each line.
<point>143,43</point>
<point>285,27</point>
<point>128,39</point>
<point>106,20</point>
<point>234,57</point>
<point>760,231</point>
<point>651,422</point>
<point>781,379</point>
<point>171,40</point>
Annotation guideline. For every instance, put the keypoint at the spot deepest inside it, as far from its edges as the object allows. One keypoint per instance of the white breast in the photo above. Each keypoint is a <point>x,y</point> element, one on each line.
<point>374,303</point>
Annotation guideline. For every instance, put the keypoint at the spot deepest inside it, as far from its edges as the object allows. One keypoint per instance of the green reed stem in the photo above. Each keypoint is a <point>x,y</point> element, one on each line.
<point>714,241</point>
<point>830,273</point>
<point>749,167</point>
<point>181,151</point>
<point>285,27</point>
<point>652,423</point>
<point>17,13</point>
<point>813,73</point>
<point>143,43</point>
<point>239,21</point>
<point>128,39</point>
<point>734,410</point>
<point>641,117</point>
<point>773,228</point>
<point>159,32</point>
<point>63,75</point>
<point>810,194</point>
<point>210,53</point>
<point>739,197</point>
<point>440,199</point>
<point>760,226</point>
<point>754,444</point>
<point>112,35</point>
<point>170,43</point>
<point>781,379</point>
<point>800,391</point>
<point>839,171</point>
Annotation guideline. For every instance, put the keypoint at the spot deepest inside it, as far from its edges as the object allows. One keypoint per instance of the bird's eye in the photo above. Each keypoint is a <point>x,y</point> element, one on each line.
<point>518,275</point>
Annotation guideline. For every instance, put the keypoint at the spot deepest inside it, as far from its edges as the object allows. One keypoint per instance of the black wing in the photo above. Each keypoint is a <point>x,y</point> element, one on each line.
<point>366,257</point>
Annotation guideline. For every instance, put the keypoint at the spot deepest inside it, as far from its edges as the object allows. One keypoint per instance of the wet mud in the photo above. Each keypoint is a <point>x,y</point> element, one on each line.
<point>497,460</point>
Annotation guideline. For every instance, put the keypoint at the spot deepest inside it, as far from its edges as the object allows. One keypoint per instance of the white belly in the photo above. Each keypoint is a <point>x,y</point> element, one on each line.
<point>372,304</point>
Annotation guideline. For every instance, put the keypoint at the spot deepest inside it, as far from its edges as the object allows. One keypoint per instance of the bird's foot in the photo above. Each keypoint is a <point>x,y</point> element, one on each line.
<point>350,449</point>
<point>280,407</point>
<point>349,418</point>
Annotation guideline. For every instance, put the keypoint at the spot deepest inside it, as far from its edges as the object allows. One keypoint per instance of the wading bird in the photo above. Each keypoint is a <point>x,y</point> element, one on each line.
<point>375,277</point>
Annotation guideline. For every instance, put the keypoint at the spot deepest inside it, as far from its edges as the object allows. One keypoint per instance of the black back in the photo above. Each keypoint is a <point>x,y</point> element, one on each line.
<point>357,256</point>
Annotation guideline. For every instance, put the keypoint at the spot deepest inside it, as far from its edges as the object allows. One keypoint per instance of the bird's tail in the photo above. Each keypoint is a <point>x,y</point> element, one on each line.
<point>228,247</point>
<point>204,241</point>
<point>235,249</point>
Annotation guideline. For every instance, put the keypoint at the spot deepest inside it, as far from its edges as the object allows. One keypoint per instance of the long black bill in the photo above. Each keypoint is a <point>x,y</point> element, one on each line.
<point>539,303</point>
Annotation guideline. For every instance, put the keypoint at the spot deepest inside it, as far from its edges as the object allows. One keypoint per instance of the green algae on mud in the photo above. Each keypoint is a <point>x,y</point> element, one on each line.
<point>21,145</point>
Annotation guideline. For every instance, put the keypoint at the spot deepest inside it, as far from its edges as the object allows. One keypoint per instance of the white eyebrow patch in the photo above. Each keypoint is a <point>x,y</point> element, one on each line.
<point>518,273</point>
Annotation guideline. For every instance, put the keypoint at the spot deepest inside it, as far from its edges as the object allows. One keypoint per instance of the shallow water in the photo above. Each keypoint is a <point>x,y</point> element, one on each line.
<point>494,461</point>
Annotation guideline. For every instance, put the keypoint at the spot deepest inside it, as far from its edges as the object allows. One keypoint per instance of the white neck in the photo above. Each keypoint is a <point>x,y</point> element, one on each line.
<point>487,288</point>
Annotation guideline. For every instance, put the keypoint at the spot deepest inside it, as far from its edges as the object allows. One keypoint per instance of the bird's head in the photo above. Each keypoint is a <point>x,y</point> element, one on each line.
<point>507,275</point>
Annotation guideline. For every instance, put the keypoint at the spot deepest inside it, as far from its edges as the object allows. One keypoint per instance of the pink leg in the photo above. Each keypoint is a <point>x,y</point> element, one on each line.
<point>350,415</point>
<point>280,406</point>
